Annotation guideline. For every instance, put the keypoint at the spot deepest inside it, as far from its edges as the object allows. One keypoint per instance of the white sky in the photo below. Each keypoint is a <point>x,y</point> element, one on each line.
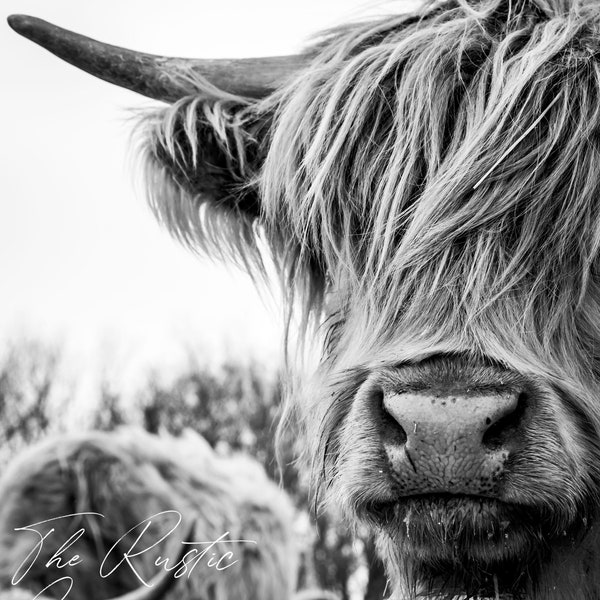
<point>80,254</point>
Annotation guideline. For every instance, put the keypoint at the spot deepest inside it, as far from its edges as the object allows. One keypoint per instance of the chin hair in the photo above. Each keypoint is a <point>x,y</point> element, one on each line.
<point>445,548</point>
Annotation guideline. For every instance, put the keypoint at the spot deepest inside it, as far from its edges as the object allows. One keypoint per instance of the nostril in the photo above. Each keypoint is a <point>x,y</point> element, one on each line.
<point>500,433</point>
<point>392,430</point>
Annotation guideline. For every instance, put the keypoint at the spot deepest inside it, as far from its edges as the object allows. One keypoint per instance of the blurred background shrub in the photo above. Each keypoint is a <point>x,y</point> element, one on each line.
<point>235,406</point>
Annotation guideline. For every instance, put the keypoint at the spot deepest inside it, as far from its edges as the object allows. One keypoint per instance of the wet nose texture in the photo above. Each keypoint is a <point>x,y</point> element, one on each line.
<point>454,444</point>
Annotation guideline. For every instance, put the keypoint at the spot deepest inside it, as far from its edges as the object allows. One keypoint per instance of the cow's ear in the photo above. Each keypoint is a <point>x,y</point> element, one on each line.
<point>201,157</point>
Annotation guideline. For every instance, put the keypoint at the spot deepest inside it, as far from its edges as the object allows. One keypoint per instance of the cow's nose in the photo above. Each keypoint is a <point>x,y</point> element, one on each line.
<point>450,443</point>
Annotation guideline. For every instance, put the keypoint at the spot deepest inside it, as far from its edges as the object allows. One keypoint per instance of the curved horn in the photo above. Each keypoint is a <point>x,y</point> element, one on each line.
<point>159,77</point>
<point>162,583</point>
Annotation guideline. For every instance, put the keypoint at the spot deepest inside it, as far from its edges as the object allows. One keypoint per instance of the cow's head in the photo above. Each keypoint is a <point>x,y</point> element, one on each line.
<point>429,187</point>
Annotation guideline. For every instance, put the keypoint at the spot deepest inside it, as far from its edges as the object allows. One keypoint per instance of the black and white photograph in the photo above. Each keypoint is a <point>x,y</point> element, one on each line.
<point>300,302</point>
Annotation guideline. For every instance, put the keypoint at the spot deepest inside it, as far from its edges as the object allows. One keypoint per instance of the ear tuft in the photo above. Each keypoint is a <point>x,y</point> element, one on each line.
<point>200,163</point>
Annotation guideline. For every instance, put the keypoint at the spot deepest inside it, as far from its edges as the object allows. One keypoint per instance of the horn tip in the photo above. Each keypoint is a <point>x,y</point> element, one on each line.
<point>23,24</point>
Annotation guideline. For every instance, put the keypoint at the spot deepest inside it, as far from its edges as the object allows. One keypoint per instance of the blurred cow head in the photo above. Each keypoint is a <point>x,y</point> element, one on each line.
<point>131,506</point>
<point>428,186</point>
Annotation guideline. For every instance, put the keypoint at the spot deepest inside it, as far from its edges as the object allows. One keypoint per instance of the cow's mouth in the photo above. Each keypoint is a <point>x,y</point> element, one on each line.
<point>461,528</point>
<point>455,516</point>
<point>468,542</point>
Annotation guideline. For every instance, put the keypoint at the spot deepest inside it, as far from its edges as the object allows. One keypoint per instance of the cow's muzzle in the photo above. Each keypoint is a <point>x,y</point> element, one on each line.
<point>454,441</point>
<point>450,428</point>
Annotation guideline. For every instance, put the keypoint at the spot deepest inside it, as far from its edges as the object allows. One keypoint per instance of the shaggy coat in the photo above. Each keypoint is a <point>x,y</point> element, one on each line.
<point>428,190</point>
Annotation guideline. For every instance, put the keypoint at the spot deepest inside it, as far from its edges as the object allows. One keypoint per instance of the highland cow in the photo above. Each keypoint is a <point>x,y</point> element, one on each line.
<point>428,187</point>
<point>160,502</point>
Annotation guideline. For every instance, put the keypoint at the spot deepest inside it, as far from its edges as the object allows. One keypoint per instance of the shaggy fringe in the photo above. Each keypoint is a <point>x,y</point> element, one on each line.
<point>409,167</point>
<point>410,163</point>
